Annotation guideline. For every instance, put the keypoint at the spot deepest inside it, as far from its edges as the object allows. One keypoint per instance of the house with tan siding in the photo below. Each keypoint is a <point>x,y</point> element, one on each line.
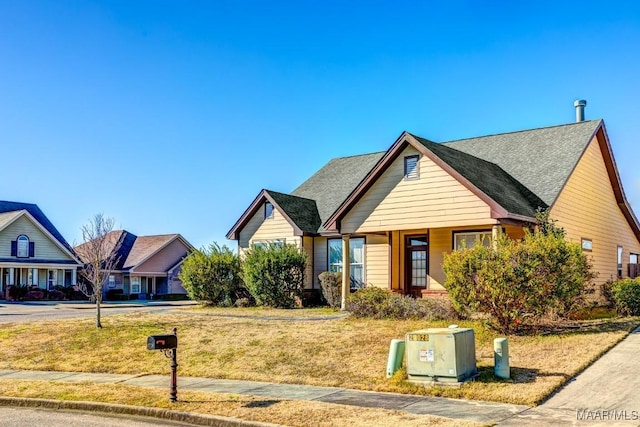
<point>146,265</point>
<point>386,219</point>
<point>32,251</point>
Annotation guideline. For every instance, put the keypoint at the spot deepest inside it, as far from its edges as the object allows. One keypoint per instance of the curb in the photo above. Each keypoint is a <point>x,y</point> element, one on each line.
<point>141,411</point>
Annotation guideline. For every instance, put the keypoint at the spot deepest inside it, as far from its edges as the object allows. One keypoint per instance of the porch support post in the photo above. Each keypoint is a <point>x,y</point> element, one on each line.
<point>346,271</point>
<point>74,277</point>
<point>11,276</point>
<point>496,230</point>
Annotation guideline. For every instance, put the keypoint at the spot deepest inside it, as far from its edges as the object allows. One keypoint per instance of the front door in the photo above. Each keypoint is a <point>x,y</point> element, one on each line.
<point>416,264</point>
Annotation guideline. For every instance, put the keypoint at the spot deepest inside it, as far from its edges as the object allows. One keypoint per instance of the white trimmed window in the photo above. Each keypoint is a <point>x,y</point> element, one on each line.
<point>52,278</point>
<point>266,243</point>
<point>112,281</point>
<point>135,285</point>
<point>22,250</point>
<point>356,258</point>
<point>587,244</point>
<point>619,262</point>
<point>466,239</point>
<point>411,170</point>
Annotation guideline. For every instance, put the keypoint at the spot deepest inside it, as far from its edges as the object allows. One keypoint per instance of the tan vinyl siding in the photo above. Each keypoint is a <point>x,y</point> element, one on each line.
<point>45,248</point>
<point>166,258</point>
<point>259,229</point>
<point>587,208</point>
<point>319,258</point>
<point>377,261</point>
<point>434,200</point>
<point>307,245</point>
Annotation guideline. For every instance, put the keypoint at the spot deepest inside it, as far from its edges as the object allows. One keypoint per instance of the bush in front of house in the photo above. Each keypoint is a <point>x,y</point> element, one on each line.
<point>519,281</point>
<point>625,296</point>
<point>331,286</point>
<point>18,292</point>
<point>377,303</point>
<point>212,275</point>
<point>34,295</point>
<point>274,274</point>
<point>55,295</point>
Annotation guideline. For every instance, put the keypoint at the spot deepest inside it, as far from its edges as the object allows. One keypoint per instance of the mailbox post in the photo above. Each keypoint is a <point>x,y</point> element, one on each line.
<point>169,345</point>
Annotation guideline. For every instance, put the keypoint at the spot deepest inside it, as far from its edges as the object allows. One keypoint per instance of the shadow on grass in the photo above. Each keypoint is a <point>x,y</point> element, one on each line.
<point>518,375</point>
<point>261,403</point>
<point>574,327</point>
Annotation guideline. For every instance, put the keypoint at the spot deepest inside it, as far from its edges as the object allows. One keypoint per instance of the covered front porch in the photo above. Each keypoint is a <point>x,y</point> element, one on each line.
<point>409,262</point>
<point>36,275</point>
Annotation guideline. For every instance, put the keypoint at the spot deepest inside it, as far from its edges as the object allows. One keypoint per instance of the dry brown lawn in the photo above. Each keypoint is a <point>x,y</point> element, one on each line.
<point>265,345</point>
<point>278,411</point>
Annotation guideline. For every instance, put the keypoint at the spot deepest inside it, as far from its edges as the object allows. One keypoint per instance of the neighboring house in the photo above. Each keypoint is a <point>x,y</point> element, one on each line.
<point>394,214</point>
<point>32,251</point>
<point>146,264</point>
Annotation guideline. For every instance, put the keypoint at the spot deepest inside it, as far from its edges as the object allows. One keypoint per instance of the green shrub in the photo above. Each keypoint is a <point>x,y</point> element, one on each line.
<point>625,295</point>
<point>274,274</point>
<point>379,303</point>
<point>212,275</point>
<point>18,292</point>
<point>518,281</point>
<point>331,285</point>
<point>34,295</point>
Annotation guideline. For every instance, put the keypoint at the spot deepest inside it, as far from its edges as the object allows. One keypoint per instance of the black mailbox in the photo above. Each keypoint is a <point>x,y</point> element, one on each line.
<point>162,342</point>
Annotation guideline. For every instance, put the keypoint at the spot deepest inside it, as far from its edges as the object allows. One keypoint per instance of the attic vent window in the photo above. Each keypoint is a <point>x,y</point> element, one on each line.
<point>268,210</point>
<point>411,170</point>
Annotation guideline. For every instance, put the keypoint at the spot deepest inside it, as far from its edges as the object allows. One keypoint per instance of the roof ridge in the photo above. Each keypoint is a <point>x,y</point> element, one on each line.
<point>288,194</point>
<point>358,155</point>
<point>517,131</point>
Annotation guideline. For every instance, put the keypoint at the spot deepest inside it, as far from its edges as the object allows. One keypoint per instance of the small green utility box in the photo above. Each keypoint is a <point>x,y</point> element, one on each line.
<point>441,355</point>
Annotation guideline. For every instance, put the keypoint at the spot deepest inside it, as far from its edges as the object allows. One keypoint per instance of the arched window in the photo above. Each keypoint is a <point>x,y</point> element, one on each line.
<point>22,246</point>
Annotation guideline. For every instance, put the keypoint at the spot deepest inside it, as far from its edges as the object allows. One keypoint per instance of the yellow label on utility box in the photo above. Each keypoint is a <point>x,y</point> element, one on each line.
<point>418,337</point>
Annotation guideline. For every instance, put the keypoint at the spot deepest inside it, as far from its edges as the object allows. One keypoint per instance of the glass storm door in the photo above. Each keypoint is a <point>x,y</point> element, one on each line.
<point>416,264</point>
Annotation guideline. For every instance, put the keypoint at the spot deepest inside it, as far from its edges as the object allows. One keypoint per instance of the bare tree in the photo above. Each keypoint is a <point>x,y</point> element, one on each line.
<point>99,256</point>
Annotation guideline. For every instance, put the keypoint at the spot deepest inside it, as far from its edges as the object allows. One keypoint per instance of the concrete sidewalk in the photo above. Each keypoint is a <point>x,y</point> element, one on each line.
<point>485,412</point>
<point>605,394</point>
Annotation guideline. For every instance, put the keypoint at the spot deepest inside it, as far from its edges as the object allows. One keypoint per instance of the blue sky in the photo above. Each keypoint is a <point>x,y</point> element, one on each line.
<point>172,116</point>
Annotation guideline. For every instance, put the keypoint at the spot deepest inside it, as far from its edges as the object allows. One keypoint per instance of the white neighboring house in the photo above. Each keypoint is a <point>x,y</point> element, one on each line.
<point>32,251</point>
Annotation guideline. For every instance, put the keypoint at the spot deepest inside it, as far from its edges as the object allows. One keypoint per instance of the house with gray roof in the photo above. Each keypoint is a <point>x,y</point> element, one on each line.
<point>32,251</point>
<point>385,219</point>
<point>145,265</point>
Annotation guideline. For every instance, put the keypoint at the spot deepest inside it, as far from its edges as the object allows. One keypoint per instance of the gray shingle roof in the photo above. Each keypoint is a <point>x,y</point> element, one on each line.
<point>540,159</point>
<point>335,181</point>
<point>131,249</point>
<point>489,178</point>
<point>39,216</point>
<point>303,212</point>
<point>521,171</point>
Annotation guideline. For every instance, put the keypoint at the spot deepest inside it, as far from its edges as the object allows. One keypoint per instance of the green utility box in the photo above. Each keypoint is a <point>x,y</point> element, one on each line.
<point>441,354</point>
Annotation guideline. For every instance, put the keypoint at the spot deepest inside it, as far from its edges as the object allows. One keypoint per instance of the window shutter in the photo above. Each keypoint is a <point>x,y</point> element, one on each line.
<point>32,249</point>
<point>14,248</point>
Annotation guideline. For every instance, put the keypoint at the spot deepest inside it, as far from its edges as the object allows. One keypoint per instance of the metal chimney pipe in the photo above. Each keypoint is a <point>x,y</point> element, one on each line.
<point>580,104</point>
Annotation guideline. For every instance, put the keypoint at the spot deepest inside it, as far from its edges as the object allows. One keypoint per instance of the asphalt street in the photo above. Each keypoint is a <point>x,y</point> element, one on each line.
<point>31,312</point>
<point>47,418</point>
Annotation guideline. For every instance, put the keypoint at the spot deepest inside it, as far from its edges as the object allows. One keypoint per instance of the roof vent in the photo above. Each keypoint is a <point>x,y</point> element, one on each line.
<point>580,104</point>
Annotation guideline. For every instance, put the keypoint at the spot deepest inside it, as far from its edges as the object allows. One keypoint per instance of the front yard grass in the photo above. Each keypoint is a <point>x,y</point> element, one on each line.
<point>266,345</point>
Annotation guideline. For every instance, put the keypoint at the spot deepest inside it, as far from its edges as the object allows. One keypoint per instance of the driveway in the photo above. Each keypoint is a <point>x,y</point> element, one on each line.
<point>49,310</point>
<point>605,394</point>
